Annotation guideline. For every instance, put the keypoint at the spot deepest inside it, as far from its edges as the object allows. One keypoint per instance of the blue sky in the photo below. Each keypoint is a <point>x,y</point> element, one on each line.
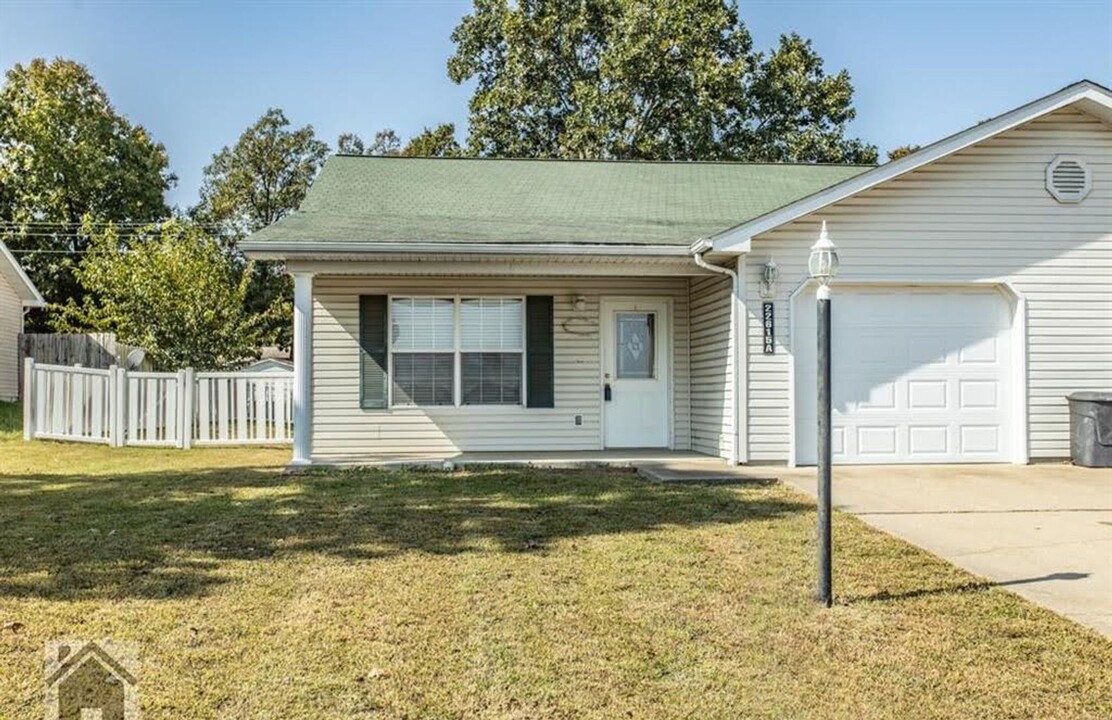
<point>196,74</point>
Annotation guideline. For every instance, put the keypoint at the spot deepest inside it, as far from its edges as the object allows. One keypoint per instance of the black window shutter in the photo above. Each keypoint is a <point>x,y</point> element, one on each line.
<point>540,368</point>
<point>373,373</point>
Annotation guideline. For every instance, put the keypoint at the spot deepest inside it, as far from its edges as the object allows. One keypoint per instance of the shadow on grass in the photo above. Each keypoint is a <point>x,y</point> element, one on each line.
<point>167,534</point>
<point>967,587</point>
<point>972,586</point>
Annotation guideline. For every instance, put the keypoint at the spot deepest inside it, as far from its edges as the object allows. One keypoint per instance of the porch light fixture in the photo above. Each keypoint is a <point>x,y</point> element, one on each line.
<point>769,275</point>
<point>579,303</point>
<point>823,263</point>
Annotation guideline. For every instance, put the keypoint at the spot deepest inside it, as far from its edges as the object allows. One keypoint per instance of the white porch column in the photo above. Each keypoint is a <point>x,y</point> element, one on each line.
<point>302,368</point>
<point>741,365</point>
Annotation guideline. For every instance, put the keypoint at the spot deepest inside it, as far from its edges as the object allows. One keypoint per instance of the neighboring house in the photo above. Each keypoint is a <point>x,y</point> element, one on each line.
<point>454,305</point>
<point>269,365</point>
<point>17,294</point>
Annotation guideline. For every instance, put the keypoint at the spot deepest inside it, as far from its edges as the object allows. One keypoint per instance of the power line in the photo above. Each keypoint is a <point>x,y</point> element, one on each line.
<point>42,225</point>
<point>52,252</point>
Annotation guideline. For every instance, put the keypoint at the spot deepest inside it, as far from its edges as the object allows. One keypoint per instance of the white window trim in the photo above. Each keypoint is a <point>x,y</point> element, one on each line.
<point>457,352</point>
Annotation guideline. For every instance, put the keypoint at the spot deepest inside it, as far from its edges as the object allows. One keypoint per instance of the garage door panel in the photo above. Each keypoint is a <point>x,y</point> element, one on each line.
<point>980,439</point>
<point>979,394</point>
<point>877,440</point>
<point>926,350</point>
<point>917,377</point>
<point>855,392</point>
<point>980,352</point>
<point>928,440</point>
<point>927,395</point>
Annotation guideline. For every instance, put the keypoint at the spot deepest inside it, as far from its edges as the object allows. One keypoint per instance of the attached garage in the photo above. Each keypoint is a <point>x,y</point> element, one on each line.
<point>919,374</point>
<point>974,295</point>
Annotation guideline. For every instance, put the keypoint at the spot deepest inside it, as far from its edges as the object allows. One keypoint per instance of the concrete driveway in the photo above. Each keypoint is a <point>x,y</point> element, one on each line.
<point>1042,531</point>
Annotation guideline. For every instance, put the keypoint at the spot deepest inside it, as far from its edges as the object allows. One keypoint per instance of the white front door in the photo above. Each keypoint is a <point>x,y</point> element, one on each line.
<point>918,375</point>
<point>635,372</point>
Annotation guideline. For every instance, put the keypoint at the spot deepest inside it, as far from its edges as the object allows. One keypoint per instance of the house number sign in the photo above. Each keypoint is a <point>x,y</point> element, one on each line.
<point>768,320</point>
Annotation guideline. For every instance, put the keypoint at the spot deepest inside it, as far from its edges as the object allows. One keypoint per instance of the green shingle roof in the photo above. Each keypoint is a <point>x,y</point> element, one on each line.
<point>390,199</point>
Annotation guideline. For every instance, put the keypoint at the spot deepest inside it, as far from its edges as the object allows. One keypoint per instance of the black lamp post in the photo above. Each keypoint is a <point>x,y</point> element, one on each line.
<point>823,266</point>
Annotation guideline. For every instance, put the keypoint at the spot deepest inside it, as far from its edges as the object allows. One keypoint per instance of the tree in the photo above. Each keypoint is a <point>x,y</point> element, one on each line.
<point>263,177</point>
<point>171,290</point>
<point>349,144</point>
<point>795,112</point>
<point>649,79</point>
<point>65,153</point>
<point>386,142</point>
<point>435,142</point>
<point>901,151</point>
<point>257,181</point>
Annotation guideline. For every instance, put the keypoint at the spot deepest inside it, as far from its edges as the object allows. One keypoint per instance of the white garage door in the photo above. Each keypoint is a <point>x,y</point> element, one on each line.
<point>918,376</point>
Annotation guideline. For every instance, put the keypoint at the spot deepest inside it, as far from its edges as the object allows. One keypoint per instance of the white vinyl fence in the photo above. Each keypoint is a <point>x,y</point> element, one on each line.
<point>180,409</point>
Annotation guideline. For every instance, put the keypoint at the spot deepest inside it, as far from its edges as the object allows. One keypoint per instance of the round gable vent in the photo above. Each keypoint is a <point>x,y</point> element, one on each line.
<point>1068,179</point>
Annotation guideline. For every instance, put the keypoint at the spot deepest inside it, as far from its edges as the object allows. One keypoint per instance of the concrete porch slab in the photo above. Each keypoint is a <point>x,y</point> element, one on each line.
<point>566,459</point>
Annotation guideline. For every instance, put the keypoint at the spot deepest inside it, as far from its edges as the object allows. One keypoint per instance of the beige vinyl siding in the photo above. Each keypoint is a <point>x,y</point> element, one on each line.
<point>711,366</point>
<point>344,432</point>
<point>11,322</point>
<point>982,214</point>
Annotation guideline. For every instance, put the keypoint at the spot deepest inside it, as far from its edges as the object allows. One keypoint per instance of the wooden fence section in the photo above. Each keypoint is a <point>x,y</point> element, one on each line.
<point>98,351</point>
<point>118,407</point>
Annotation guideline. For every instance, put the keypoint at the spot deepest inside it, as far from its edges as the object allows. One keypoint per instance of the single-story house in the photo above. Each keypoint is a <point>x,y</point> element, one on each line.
<point>446,306</point>
<point>17,294</point>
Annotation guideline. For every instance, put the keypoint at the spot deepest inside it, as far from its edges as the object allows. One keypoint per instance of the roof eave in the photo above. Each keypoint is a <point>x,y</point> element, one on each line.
<point>739,238</point>
<point>271,249</point>
<point>29,295</point>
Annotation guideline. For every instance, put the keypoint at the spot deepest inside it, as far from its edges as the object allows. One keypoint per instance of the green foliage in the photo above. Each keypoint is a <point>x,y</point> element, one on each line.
<point>11,421</point>
<point>349,144</point>
<point>65,154</point>
<point>433,142</point>
<point>262,178</point>
<point>795,112</point>
<point>257,181</point>
<point>171,290</point>
<point>646,79</point>
<point>901,152</point>
<point>386,142</point>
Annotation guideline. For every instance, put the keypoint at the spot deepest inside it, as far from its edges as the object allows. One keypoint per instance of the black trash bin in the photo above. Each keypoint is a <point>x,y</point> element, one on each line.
<point>1091,429</point>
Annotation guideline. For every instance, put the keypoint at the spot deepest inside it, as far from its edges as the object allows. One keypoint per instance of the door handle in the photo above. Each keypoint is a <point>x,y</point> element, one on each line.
<point>607,395</point>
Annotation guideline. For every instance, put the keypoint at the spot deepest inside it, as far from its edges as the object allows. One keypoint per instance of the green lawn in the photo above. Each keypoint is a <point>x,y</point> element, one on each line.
<point>497,594</point>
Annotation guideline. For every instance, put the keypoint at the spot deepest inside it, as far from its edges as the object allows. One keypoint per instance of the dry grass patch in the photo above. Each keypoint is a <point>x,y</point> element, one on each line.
<point>498,594</point>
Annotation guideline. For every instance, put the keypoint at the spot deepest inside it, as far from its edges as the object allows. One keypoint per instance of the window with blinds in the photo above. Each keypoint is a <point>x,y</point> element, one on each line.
<point>475,344</point>
<point>492,344</point>
<point>422,351</point>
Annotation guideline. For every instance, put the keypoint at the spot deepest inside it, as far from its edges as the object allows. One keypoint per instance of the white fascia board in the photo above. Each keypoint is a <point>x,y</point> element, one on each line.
<point>275,249</point>
<point>28,293</point>
<point>738,239</point>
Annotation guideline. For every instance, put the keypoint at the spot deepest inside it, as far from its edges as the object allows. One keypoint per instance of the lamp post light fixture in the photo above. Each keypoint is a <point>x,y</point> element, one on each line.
<point>823,266</point>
